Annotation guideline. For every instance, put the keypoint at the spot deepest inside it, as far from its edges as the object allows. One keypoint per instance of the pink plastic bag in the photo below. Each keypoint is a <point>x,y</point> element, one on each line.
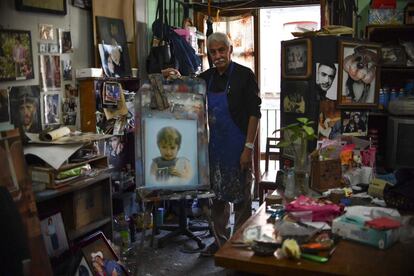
<point>321,210</point>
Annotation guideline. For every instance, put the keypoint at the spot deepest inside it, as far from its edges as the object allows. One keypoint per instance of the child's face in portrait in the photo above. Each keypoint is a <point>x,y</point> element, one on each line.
<point>168,151</point>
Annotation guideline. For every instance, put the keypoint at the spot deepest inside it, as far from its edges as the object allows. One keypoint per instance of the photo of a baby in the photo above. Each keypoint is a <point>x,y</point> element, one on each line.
<point>171,155</point>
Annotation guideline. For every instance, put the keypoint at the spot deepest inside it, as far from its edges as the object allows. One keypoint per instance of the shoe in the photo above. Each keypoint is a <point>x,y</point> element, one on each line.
<point>210,250</point>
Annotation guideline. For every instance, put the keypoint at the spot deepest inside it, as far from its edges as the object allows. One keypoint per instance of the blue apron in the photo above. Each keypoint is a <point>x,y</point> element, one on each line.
<point>225,147</point>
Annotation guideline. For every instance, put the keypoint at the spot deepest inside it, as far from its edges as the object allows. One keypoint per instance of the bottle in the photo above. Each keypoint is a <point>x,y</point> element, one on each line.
<point>290,184</point>
<point>382,100</point>
<point>386,96</point>
<point>393,95</point>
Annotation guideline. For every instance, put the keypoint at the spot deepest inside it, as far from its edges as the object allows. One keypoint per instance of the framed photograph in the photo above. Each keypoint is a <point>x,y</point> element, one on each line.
<point>83,268</point>
<point>100,256</point>
<point>171,153</point>
<point>4,105</point>
<point>65,41</point>
<point>355,123</point>
<point>296,58</point>
<point>83,4</point>
<point>53,48</point>
<point>50,72</point>
<point>51,108</point>
<point>54,235</point>
<point>329,121</point>
<point>393,56</point>
<point>45,6</point>
<point>359,75</point>
<point>16,60</point>
<point>67,70</point>
<point>326,80</point>
<point>43,48</point>
<point>25,108</point>
<point>46,32</point>
<point>294,96</point>
<point>111,34</point>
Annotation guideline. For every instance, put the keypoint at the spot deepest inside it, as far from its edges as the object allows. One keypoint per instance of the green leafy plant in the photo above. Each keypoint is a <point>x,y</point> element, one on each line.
<point>296,137</point>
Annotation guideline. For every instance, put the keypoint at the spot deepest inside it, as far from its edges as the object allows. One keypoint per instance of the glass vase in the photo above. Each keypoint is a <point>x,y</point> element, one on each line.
<point>301,168</point>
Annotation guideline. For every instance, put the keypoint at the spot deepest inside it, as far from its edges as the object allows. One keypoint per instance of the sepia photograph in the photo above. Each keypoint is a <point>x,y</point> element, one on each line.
<point>296,58</point>
<point>46,32</point>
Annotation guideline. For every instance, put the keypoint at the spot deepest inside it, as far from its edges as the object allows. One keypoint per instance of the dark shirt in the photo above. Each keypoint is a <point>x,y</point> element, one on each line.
<point>242,95</point>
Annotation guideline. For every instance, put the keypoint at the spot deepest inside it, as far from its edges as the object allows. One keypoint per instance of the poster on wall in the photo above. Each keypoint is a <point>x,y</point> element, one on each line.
<point>16,60</point>
<point>51,104</point>
<point>50,72</point>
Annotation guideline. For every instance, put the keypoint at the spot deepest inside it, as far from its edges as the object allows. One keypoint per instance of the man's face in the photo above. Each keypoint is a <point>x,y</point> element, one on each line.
<point>220,55</point>
<point>26,113</point>
<point>114,142</point>
<point>326,76</point>
<point>168,151</point>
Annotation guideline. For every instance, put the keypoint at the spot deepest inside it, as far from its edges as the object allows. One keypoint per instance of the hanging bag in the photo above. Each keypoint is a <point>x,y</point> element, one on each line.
<point>160,55</point>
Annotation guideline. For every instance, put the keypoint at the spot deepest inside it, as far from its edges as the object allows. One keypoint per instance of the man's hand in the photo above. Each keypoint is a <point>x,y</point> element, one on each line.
<point>246,159</point>
<point>170,73</point>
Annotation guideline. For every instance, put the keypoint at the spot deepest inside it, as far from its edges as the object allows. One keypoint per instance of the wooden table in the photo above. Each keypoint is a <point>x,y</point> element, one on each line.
<point>349,258</point>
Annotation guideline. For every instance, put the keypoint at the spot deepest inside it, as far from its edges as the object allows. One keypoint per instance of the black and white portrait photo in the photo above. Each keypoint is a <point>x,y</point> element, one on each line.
<point>326,80</point>
<point>296,58</point>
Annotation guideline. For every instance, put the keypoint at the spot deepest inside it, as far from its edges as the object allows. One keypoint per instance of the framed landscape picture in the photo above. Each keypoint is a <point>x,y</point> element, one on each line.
<point>45,6</point>
<point>16,60</point>
<point>359,74</point>
<point>296,58</point>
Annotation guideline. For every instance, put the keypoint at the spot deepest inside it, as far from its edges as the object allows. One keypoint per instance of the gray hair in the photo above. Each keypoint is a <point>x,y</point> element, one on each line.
<point>218,37</point>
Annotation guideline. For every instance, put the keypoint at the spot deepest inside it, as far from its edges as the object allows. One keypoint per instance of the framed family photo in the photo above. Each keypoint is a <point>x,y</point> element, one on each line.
<point>100,256</point>
<point>354,123</point>
<point>54,235</point>
<point>171,153</point>
<point>359,75</point>
<point>16,59</point>
<point>296,58</point>
<point>45,6</point>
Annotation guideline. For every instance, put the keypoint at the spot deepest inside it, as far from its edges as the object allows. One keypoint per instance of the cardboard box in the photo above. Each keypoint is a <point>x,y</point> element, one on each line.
<point>89,73</point>
<point>353,228</point>
<point>88,205</point>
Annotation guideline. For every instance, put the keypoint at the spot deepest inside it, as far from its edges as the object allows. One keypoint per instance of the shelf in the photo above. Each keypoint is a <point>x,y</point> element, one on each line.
<point>73,234</point>
<point>77,185</point>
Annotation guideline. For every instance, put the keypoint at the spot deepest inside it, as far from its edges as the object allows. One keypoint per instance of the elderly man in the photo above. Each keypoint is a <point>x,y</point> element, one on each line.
<point>234,113</point>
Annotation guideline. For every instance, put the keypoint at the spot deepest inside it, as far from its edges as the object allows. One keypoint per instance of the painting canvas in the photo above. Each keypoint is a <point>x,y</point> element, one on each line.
<point>296,58</point>
<point>111,33</point>
<point>54,235</point>
<point>100,256</point>
<point>44,6</point>
<point>16,60</point>
<point>358,85</point>
<point>25,108</point>
<point>171,152</point>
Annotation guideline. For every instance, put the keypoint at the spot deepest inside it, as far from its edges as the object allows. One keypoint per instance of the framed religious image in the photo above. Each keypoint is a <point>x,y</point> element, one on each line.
<point>172,143</point>
<point>25,108</point>
<point>67,69</point>
<point>54,235</point>
<point>46,32</point>
<point>45,6</point>
<point>53,48</point>
<point>51,108</point>
<point>355,123</point>
<point>100,256</point>
<point>65,41</point>
<point>294,97</point>
<point>358,83</point>
<point>393,55</point>
<point>111,34</point>
<point>326,80</point>
<point>16,60</point>
<point>50,72</point>
<point>296,58</point>
<point>171,152</point>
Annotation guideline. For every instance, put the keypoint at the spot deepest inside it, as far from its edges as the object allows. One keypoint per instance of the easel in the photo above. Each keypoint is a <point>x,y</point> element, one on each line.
<point>182,228</point>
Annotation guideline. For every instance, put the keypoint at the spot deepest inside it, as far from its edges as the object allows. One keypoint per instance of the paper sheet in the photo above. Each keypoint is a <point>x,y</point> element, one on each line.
<point>55,134</point>
<point>54,155</point>
<point>75,139</point>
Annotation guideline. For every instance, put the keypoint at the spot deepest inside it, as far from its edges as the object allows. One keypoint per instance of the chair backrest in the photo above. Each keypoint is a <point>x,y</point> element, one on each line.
<point>272,152</point>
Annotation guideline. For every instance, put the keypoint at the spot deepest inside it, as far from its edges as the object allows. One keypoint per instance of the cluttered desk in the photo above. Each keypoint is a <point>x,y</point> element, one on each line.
<point>347,257</point>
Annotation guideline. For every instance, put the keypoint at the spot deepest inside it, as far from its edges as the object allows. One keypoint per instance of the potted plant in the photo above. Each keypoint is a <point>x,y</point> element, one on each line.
<point>296,136</point>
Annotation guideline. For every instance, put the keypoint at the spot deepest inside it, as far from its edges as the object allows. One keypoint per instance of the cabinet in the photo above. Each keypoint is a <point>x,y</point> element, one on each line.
<point>397,71</point>
<point>85,205</point>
